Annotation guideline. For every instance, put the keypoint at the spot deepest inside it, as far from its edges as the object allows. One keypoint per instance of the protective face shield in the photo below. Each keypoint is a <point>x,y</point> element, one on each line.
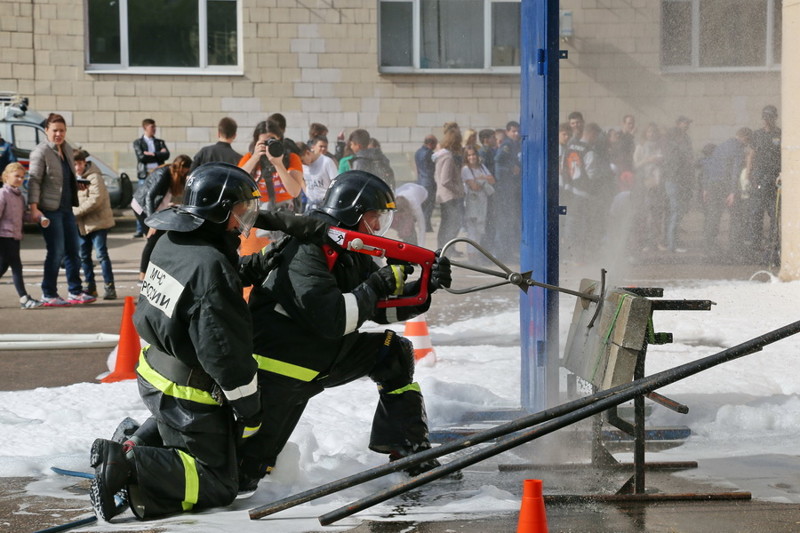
<point>376,222</point>
<point>245,214</point>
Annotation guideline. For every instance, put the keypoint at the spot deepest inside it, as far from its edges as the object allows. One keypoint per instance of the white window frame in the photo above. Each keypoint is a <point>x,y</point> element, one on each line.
<point>416,11</point>
<point>204,69</point>
<point>769,63</point>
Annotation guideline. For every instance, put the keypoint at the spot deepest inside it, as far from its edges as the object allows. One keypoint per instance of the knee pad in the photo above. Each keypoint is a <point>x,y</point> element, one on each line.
<point>394,367</point>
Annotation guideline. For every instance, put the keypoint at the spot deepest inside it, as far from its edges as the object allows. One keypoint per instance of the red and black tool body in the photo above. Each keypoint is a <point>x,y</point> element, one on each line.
<point>393,251</point>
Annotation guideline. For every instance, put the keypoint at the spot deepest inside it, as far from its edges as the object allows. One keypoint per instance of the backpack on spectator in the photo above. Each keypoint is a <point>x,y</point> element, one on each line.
<point>374,162</point>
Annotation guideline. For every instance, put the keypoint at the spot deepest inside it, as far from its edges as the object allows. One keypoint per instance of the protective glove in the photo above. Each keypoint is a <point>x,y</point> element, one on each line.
<point>389,280</point>
<point>247,427</point>
<point>254,268</point>
<point>440,273</point>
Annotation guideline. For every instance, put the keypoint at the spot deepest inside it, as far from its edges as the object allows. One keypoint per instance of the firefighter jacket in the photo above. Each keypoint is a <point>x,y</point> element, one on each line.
<point>192,313</point>
<point>307,312</point>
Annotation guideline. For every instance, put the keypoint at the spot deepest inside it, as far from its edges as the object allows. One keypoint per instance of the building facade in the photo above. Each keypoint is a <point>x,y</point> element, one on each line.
<point>399,68</point>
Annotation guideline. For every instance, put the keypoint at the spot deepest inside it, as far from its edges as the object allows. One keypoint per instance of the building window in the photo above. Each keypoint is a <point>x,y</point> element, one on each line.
<point>449,36</point>
<point>720,35</point>
<point>164,37</point>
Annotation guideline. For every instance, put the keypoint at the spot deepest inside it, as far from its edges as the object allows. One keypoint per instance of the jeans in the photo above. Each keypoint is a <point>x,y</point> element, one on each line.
<point>96,239</point>
<point>140,225</point>
<point>63,242</point>
<point>676,208</point>
<point>450,225</point>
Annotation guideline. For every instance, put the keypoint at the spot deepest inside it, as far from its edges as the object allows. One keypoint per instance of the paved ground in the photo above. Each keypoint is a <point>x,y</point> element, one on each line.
<point>30,369</point>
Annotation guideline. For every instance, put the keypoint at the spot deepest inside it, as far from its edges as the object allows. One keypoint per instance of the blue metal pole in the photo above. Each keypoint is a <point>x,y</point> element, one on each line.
<point>539,244</point>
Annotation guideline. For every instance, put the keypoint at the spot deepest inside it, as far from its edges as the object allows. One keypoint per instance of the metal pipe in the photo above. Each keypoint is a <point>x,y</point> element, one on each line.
<point>39,341</point>
<point>613,397</point>
<point>513,426</point>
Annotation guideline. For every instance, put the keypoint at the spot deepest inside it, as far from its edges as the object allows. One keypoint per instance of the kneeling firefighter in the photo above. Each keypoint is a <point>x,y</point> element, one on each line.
<point>306,315</point>
<point>198,375</point>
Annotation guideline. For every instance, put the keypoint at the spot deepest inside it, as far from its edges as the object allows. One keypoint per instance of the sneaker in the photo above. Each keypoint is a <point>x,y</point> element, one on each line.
<point>91,290</point>
<point>80,298</point>
<point>26,302</point>
<point>138,235</point>
<point>111,474</point>
<point>110,292</point>
<point>55,301</point>
<point>680,250</point>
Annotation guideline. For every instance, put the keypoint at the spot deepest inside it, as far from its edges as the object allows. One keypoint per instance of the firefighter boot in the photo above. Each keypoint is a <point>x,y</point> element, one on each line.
<point>111,474</point>
<point>419,468</point>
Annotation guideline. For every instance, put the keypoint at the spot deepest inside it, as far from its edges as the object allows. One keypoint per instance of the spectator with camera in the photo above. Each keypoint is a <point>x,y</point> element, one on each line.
<point>278,173</point>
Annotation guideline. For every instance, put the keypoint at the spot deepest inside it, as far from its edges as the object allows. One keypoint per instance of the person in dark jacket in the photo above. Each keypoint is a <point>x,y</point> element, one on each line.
<point>162,189</point>
<point>151,152</point>
<point>423,159</point>
<point>764,177</point>
<point>197,376</point>
<point>222,150</point>
<point>678,175</point>
<point>370,158</point>
<point>721,186</point>
<point>306,316</point>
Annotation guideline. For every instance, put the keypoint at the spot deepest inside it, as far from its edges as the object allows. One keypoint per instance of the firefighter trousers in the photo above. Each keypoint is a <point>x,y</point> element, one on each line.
<point>195,468</point>
<point>399,423</point>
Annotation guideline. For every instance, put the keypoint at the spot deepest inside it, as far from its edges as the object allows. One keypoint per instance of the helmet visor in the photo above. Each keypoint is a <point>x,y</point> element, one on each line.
<point>377,222</point>
<point>245,214</point>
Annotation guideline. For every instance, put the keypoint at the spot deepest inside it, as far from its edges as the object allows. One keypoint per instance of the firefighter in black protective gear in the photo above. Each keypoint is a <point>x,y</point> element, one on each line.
<point>306,315</point>
<point>198,375</point>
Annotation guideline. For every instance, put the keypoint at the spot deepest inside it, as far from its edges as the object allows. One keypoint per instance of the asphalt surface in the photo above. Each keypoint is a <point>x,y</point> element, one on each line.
<point>22,370</point>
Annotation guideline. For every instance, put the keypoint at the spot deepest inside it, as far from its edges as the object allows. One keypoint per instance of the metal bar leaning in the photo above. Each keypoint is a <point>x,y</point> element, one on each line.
<point>550,419</point>
<point>603,400</point>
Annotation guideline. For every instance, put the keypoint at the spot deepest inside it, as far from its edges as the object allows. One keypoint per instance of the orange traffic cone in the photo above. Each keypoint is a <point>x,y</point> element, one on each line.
<point>128,348</point>
<point>532,517</point>
<point>417,332</point>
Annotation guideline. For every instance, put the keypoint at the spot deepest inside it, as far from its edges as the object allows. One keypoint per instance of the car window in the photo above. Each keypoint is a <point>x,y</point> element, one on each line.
<point>26,137</point>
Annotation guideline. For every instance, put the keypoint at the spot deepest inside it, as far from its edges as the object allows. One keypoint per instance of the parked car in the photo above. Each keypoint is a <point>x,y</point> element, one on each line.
<point>24,128</point>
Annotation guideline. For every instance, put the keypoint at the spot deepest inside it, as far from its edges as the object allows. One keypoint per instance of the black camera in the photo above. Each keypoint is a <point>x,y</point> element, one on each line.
<point>274,147</point>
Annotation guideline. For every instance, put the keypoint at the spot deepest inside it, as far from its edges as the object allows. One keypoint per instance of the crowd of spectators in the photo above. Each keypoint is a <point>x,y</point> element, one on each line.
<point>615,183</point>
<point>611,181</point>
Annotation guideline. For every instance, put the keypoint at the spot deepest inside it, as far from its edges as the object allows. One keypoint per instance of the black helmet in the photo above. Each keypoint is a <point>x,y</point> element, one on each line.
<point>211,192</point>
<point>353,193</point>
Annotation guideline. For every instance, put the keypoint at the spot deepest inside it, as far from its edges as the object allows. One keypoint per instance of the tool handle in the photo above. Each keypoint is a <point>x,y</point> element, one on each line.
<point>393,251</point>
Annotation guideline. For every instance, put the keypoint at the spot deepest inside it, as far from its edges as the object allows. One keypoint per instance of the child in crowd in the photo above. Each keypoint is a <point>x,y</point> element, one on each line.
<point>12,215</point>
<point>94,217</point>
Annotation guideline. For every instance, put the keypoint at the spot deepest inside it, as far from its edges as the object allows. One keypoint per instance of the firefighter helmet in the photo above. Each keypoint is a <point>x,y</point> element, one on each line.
<point>211,194</point>
<point>355,192</point>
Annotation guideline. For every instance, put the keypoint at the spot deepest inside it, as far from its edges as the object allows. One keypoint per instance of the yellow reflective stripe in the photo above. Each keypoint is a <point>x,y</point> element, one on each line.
<point>285,369</point>
<point>192,481</point>
<point>171,388</point>
<point>249,431</point>
<point>399,280</point>
<point>401,390</point>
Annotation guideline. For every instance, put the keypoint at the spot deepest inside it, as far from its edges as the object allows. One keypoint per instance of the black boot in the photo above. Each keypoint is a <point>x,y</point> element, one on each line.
<point>111,474</point>
<point>419,468</point>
